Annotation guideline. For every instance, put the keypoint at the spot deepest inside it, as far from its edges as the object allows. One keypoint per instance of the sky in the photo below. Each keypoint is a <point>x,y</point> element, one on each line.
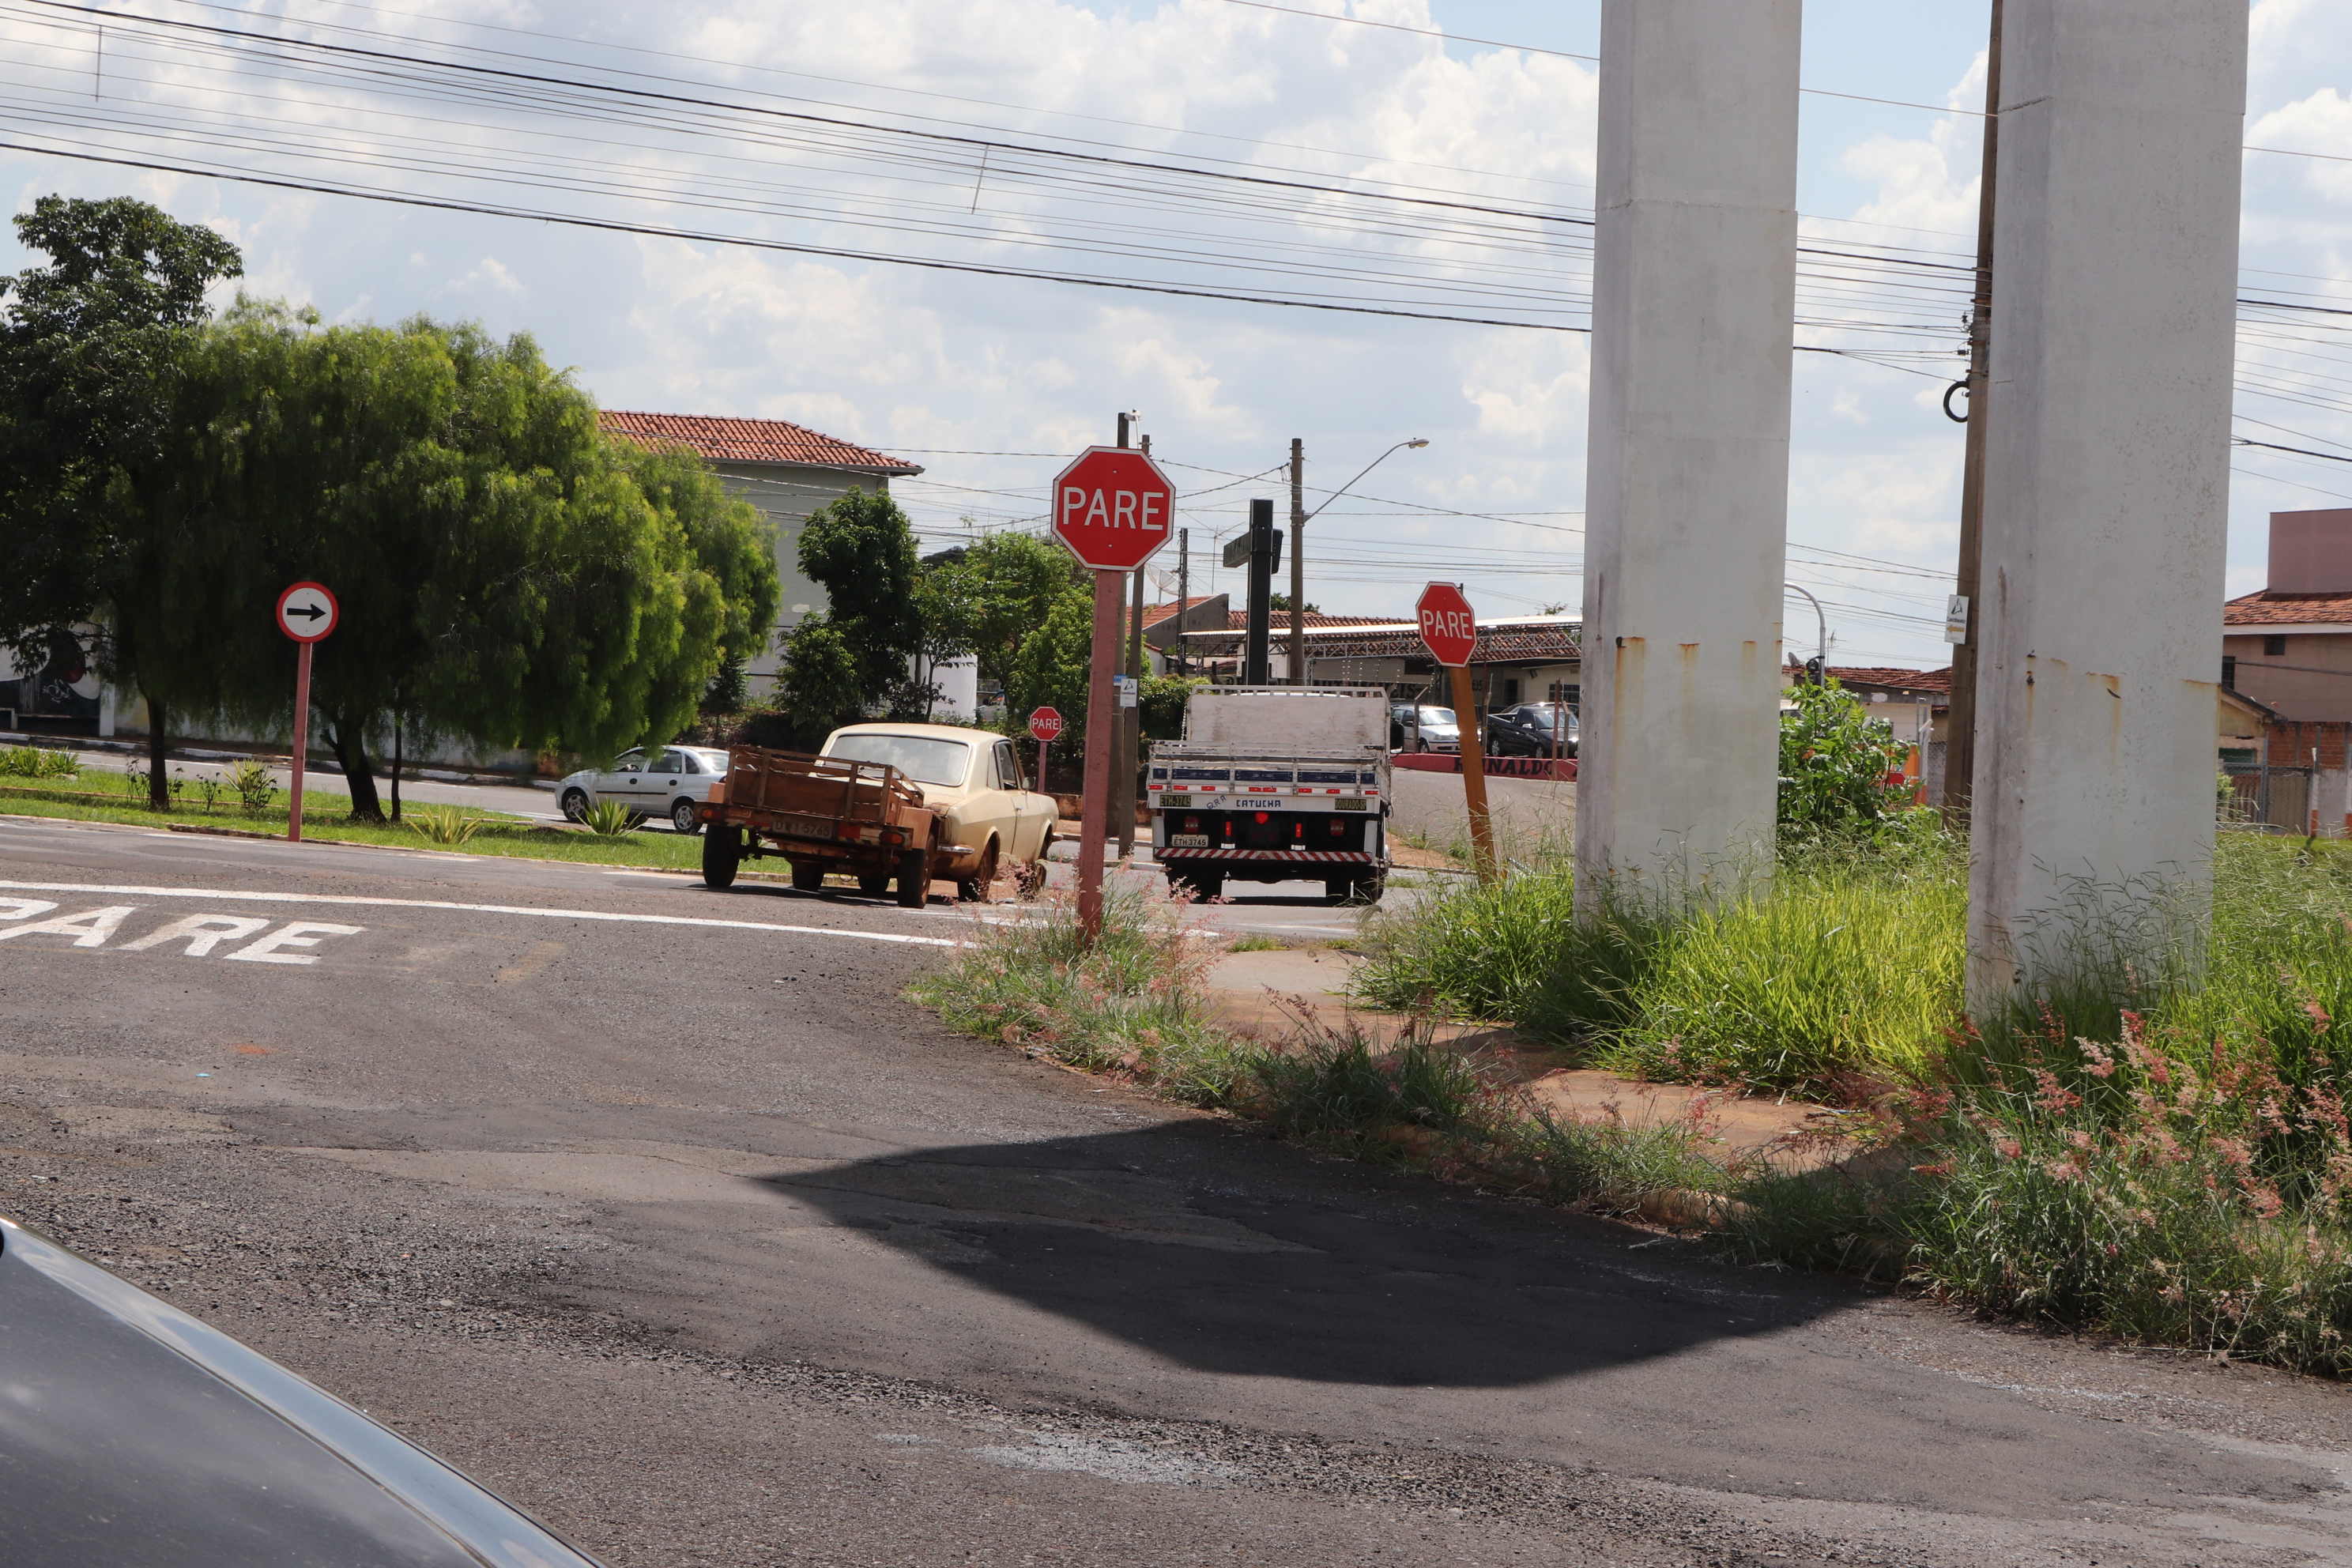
<point>1438,165</point>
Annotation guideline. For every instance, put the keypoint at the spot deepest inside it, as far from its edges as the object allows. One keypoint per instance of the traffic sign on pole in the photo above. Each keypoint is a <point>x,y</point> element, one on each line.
<point>1452,634</point>
<point>1113,508</point>
<point>306,612</point>
<point>1446,625</point>
<point>1046,724</point>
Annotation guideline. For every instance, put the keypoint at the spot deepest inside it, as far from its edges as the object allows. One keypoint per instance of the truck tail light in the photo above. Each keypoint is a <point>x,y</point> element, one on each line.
<point>1263,818</point>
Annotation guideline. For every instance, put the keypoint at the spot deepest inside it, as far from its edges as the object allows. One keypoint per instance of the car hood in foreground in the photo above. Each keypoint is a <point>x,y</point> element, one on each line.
<point>132,1434</point>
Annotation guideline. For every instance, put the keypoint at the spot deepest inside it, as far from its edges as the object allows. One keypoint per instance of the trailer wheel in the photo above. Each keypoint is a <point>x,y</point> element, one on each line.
<point>722,851</point>
<point>914,878</point>
<point>808,875</point>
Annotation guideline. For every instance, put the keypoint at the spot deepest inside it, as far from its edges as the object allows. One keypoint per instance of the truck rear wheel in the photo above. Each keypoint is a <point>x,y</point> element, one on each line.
<point>914,878</point>
<point>808,875</point>
<point>1368,889</point>
<point>722,852</point>
<point>1202,885</point>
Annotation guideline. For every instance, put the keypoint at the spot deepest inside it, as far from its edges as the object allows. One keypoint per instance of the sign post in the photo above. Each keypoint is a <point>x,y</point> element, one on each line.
<point>1447,626</point>
<point>306,612</point>
<point>1112,508</point>
<point>1044,724</point>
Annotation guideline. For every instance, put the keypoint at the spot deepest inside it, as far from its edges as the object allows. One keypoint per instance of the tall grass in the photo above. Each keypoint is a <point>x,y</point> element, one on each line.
<point>30,762</point>
<point>1848,964</point>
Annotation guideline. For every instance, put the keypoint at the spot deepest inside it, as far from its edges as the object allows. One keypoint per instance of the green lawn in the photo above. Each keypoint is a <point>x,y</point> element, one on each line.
<point>327,817</point>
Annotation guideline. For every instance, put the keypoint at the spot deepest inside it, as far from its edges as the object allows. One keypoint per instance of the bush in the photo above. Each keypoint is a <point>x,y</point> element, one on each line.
<point>253,785</point>
<point>1835,760</point>
<point>443,823</point>
<point>609,818</point>
<point>37,762</point>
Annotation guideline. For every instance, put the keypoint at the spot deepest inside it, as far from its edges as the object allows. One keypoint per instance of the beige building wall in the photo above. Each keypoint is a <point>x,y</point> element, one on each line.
<point>2311,680</point>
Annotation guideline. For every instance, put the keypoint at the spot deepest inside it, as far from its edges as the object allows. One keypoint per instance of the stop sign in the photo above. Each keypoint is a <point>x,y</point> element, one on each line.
<point>1112,508</point>
<point>1046,724</point>
<point>1446,625</point>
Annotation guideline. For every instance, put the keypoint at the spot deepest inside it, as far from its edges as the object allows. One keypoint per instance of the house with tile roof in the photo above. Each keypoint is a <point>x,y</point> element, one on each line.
<point>787,471</point>
<point>1524,659</point>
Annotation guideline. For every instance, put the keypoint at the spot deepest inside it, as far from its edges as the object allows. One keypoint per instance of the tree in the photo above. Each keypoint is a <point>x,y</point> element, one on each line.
<point>1835,760</point>
<point>1279,603</point>
<point>822,685</point>
<point>506,573</point>
<point>92,350</point>
<point>949,616</point>
<point>1011,582</point>
<point>859,548</point>
<point>1053,664</point>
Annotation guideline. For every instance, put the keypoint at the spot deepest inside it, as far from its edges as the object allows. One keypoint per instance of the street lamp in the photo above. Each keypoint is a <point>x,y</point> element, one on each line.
<point>1822,625</point>
<point>1298,520</point>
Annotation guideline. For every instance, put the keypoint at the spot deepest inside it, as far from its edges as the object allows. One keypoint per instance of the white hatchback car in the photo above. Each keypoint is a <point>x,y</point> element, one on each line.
<point>659,781</point>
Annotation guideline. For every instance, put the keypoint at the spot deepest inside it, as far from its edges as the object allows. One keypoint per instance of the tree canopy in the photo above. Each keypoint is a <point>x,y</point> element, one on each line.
<point>506,573</point>
<point>92,349</point>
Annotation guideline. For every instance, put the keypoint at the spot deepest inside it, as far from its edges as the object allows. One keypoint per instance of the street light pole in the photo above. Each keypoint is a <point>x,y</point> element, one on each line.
<point>1822,625</point>
<point>1299,518</point>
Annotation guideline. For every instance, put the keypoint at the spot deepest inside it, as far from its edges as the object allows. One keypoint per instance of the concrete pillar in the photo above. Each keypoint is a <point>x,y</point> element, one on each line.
<point>1687,465</point>
<point>2115,272</point>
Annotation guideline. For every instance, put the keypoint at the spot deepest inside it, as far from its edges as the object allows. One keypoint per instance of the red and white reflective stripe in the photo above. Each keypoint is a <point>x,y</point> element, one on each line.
<point>1355,857</point>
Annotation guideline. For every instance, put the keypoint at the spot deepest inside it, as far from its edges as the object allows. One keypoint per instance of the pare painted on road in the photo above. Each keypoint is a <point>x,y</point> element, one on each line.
<point>244,939</point>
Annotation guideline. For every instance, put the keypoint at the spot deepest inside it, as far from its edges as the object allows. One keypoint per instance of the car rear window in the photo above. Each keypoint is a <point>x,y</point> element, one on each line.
<point>920,757</point>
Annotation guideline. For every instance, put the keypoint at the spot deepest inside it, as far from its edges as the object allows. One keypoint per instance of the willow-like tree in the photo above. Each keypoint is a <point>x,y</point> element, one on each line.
<point>505,573</point>
<point>92,351</point>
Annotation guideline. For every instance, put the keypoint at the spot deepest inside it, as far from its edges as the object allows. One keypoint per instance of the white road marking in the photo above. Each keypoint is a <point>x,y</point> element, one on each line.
<point>203,933</point>
<point>89,928</point>
<point>291,934</point>
<point>240,896</point>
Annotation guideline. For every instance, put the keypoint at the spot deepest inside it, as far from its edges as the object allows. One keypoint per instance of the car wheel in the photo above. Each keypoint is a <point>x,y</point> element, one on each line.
<point>722,852</point>
<point>574,805</point>
<point>1032,880</point>
<point>682,817</point>
<point>914,878</point>
<point>974,887</point>
<point>1419,745</point>
<point>808,875</point>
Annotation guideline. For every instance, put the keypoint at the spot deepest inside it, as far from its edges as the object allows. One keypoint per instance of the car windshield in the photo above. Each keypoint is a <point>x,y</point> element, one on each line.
<point>1437,715</point>
<point>919,757</point>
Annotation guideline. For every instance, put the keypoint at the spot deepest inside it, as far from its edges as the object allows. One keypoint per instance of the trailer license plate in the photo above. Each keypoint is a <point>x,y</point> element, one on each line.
<point>1188,841</point>
<point>805,828</point>
<point>1350,803</point>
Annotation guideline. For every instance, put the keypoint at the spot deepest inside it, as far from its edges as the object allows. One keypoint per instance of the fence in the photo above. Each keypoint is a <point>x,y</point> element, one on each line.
<point>2269,800</point>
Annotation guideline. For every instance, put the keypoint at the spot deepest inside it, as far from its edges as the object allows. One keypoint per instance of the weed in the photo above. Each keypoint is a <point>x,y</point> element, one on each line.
<point>1254,944</point>
<point>38,763</point>
<point>255,789</point>
<point>443,823</point>
<point>609,818</point>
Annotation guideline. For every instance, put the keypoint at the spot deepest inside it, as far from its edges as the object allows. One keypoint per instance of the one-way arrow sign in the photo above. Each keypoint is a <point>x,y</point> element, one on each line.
<point>306,612</point>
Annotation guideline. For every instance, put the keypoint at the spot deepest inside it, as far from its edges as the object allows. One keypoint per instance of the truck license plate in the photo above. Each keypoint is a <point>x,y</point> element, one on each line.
<point>1350,803</point>
<point>1188,840</point>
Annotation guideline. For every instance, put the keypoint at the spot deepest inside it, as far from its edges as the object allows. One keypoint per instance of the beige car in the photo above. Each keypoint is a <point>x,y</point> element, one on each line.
<point>970,777</point>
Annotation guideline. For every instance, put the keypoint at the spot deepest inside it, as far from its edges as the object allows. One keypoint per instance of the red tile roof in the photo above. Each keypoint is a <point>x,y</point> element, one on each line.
<point>2269,609</point>
<point>725,440</point>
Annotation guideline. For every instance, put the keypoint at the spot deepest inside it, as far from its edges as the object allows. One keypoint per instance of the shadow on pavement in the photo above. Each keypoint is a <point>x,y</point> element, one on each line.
<point>1401,1288</point>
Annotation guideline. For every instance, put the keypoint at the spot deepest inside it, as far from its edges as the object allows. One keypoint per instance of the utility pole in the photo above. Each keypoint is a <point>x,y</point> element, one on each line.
<point>1298,561</point>
<point>1183,592</point>
<point>1961,720</point>
<point>1131,728</point>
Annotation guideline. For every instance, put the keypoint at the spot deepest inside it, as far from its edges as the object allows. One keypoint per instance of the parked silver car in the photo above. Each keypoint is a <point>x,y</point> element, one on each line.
<point>659,781</point>
<point>1422,727</point>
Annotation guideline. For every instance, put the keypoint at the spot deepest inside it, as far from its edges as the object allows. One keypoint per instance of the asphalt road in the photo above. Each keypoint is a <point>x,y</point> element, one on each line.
<point>663,1212</point>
